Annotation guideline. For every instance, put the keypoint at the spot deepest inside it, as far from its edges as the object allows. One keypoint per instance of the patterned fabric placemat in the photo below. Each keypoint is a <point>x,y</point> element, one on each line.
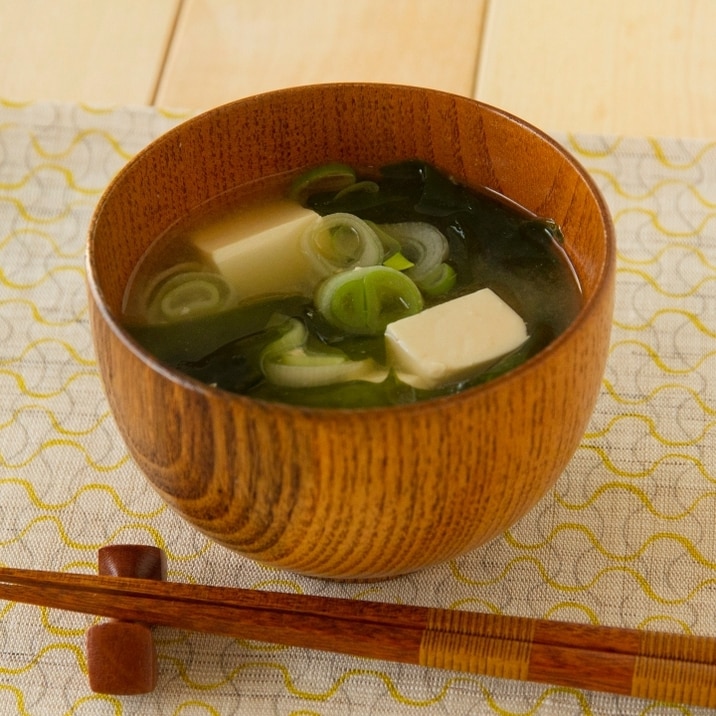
<point>626,538</point>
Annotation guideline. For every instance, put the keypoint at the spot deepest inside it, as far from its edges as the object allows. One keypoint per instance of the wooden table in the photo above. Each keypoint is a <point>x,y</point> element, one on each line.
<point>638,67</point>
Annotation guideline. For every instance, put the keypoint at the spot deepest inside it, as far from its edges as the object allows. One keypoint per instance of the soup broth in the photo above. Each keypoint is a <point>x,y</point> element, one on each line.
<point>280,292</point>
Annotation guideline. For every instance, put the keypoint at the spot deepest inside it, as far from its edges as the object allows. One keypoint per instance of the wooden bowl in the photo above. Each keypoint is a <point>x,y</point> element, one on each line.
<point>351,493</point>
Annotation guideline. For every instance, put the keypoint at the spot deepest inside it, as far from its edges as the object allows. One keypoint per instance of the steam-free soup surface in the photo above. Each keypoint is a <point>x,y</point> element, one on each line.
<point>304,289</point>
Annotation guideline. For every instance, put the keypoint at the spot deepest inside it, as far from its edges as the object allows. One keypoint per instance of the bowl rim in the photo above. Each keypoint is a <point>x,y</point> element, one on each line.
<point>603,280</point>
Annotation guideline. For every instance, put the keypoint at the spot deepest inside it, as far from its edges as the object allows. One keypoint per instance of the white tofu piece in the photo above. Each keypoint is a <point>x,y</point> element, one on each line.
<point>258,249</point>
<point>453,340</point>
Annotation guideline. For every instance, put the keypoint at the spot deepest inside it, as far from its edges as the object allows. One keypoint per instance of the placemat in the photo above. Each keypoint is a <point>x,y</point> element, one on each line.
<point>627,537</point>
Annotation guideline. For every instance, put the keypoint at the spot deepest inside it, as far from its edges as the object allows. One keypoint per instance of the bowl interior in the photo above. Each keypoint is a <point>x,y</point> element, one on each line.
<point>363,125</point>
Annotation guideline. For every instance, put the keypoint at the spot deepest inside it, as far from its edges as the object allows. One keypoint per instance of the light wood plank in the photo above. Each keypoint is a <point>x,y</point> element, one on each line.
<point>225,49</point>
<point>97,51</point>
<point>613,66</point>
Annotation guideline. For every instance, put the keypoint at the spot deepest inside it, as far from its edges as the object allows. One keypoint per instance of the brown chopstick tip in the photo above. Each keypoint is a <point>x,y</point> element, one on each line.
<point>121,655</point>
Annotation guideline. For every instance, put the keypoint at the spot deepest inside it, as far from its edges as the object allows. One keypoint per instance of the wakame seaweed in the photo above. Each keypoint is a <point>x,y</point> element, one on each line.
<point>492,243</point>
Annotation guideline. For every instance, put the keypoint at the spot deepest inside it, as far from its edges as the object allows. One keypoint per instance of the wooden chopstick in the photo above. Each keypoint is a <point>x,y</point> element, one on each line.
<point>677,668</point>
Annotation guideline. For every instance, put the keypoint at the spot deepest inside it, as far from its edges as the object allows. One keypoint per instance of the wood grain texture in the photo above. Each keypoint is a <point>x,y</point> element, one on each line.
<point>224,50</point>
<point>94,52</point>
<point>138,561</point>
<point>352,493</point>
<point>615,66</point>
<point>121,658</point>
<point>676,668</point>
<point>625,67</point>
<point>121,655</point>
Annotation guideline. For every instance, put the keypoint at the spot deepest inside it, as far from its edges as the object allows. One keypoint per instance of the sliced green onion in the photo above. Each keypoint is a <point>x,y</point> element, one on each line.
<point>140,305</point>
<point>439,281</point>
<point>421,243</point>
<point>294,334</point>
<point>367,186</point>
<point>301,357</point>
<point>398,262</point>
<point>286,362</point>
<point>314,372</point>
<point>187,294</point>
<point>365,300</point>
<point>390,244</point>
<point>341,241</point>
<point>325,178</point>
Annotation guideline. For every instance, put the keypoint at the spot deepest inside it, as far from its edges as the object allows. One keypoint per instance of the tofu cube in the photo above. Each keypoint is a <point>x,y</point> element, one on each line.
<point>258,249</point>
<point>453,340</point>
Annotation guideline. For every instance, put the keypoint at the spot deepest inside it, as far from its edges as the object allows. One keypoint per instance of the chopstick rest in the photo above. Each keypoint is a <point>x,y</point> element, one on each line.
<point>121,656</point>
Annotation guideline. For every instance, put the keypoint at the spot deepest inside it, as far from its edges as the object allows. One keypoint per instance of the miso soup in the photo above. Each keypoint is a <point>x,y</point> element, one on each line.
<point>350,287</point>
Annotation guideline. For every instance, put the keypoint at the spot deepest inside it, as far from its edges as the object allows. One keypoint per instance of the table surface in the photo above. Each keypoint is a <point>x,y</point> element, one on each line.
<point>635,67</point>
<point>627,537</point>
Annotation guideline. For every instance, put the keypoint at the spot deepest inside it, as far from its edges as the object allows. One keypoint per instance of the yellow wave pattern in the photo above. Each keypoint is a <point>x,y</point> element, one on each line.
<point>664,158</point>
<point>80,566</point>
<point>654,355</point>
<point>581,148</point>
<point>54,273</point>
<point>66,174</point>
<point>544,700</point>
<point>40,342</point>
<point>50,393</point>
<point>652,430</point>
<point>555,611</point>
<point>91,489</point>
<point>65,443</point>
<point>697,288</point>
<point>576,527</point>
<point>323,695</point>
<point>607,489</point>
<point>78,139</point>
<point>116,537</point>
<point>174,114</point>
<point>472,603</point>
<point>27,214</point>
<point>38,317</point>
<point>654,394</point>
<point>18,696</point>
<point>665,623</point>
<point>623,572</point>
<point>14,104</point>
<point>72,649</point>
<point>54,421</point>
<point>47,237</point>
<point>96,109</point>
<point>656,221</point>
<point>648,469</point>
<point>612,147</point>
<point>667,185</point>
<point>660,256</point>
<point>78,707</point>
<point>56,630</point>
